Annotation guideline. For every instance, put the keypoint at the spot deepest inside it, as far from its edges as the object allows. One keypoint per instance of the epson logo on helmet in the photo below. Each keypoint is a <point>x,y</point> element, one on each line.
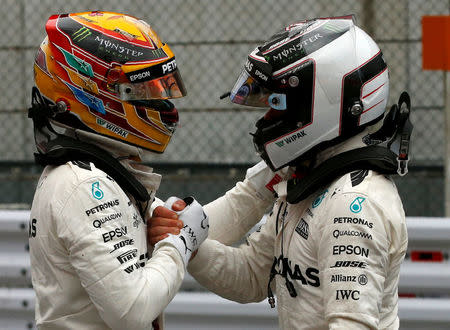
<point>261,75</point>
<point>140,76</point>
<point>169,67</point>
<point>249,67</point>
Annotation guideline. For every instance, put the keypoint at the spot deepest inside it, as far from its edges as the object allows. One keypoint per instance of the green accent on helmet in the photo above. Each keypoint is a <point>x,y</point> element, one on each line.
<point>77,63</point>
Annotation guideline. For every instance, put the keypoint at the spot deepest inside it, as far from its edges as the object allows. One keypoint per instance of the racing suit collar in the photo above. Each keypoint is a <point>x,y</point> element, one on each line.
<point>129,156</point>
<point>144,174</point>
<point>354,142</point>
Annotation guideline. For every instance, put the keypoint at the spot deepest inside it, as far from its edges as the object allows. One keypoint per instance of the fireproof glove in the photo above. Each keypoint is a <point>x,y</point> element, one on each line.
<point>194,232</point>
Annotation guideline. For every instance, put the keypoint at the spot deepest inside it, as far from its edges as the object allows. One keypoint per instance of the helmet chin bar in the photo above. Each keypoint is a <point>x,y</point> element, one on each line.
<point>266,131</point>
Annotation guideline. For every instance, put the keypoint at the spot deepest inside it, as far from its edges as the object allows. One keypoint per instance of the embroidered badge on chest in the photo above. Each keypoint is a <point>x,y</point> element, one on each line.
<point>302,228</point>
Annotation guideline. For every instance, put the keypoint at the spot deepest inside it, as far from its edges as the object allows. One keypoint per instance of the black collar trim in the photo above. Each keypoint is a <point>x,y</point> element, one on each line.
<point>379,159</point>
<point>63,149</point>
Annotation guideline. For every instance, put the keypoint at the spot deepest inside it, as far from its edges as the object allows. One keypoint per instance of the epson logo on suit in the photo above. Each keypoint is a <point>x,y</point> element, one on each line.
<point>116,233</point>
<point>350,249</point>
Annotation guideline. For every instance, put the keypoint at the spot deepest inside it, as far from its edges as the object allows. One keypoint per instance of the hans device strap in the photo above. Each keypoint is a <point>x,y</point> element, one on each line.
<point>64,149</point>
<point>379,159</point>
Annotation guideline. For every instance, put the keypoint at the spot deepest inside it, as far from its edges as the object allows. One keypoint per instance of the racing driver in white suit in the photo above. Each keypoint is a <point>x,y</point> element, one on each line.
<point>331,248</point>
<point>102,83</point>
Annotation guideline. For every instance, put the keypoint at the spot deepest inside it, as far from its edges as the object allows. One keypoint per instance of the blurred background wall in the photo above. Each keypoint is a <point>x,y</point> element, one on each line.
<point>211,38</point>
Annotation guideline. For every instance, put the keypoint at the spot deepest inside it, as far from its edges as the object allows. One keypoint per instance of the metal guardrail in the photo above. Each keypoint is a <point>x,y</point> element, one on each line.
<point>203,310</point>
<point>425,278</point>
<point>429,232</point>
<point>194,308</point>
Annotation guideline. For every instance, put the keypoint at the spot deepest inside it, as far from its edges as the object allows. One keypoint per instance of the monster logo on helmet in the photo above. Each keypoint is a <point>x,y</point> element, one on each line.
<point>96,67</point>
<point>313,75</point>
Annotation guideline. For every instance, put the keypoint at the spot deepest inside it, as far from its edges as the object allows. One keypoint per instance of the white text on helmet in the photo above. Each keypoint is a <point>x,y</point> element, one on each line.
<point>297,47</point>
<point>248,65</point>
<point>293,27</point>
<point>140,75</point>
<point>120,49</point>
<point>261,75</point>
<point>169,67</point>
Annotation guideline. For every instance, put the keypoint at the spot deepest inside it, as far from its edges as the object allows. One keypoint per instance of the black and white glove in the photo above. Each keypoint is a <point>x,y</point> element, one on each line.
<point>194,232</point>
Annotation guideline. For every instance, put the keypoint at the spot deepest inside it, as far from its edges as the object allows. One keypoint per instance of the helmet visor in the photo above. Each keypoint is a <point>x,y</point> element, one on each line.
<point>248,91</point>
<point>170,86</point>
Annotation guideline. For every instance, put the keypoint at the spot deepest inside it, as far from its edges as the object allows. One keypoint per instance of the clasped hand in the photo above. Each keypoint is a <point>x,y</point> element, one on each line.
<point>181,223</point>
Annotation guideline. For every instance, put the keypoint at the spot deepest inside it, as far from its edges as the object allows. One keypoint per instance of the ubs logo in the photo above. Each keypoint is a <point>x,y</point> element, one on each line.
<point>302,229</point>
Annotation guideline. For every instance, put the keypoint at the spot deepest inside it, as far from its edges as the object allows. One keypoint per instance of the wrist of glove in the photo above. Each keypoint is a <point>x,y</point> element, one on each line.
<point>262,179</point>
<point>194,232</point>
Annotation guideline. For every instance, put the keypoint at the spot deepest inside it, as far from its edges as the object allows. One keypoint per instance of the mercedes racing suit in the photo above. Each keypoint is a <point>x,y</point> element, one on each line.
<point>334,257</point>
<point>89,257</point>
<point>88,250</point>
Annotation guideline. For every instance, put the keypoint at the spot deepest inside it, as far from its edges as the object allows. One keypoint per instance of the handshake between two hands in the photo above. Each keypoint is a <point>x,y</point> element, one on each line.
<point>181,223</point>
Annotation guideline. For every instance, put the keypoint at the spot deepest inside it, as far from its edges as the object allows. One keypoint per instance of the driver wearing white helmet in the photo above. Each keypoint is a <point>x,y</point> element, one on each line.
<point>332,246</point>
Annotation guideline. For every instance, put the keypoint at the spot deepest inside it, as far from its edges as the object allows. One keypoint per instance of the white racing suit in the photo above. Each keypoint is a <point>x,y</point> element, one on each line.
<point>88,248</point>
<point>334,257</point>
<point>89,258</point>
<point>91,268</point>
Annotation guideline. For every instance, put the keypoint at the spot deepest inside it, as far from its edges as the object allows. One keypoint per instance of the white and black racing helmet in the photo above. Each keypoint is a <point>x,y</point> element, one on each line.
<point>323,79</point>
